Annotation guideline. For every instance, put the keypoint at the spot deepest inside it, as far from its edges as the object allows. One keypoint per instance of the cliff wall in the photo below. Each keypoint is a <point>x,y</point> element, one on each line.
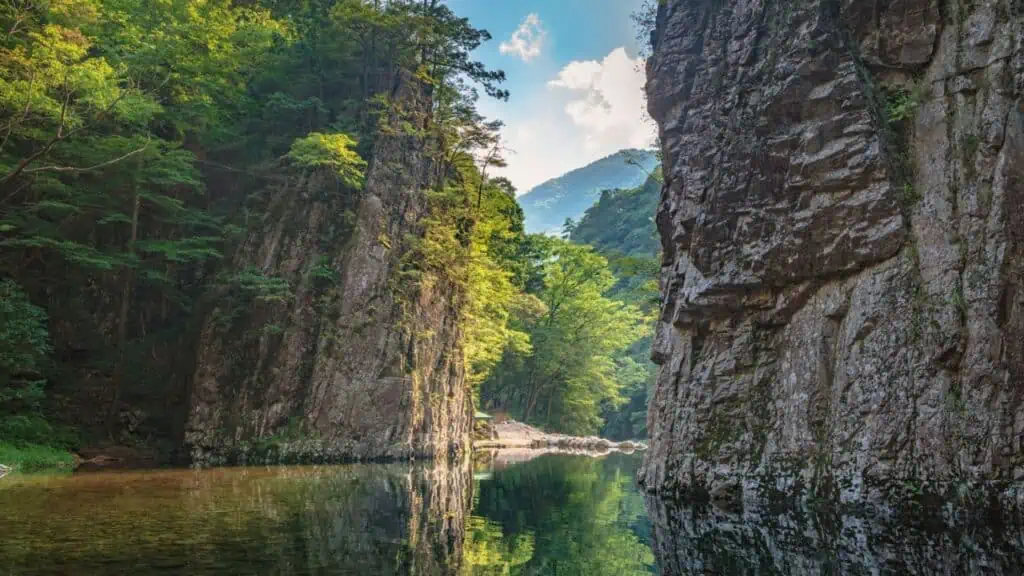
<point>842,222</point>
<point>318,349</point>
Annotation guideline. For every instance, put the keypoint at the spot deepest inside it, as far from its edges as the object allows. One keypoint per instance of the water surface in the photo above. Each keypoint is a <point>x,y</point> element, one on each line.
<point>553,515</point>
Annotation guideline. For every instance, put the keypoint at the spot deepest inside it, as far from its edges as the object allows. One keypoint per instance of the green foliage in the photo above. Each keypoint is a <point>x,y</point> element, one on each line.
<point>621,226</point>
<point>255,285</point>
<point>323,274</point>
<point>902,104</point>
<point>24,348</point>
<point>139,141</point>
<point>334,151</point>
<point>31,429</point>
<point>635,375</point>
<point>909,196</point>
<point>572,378</point>
<point>571,374</point>
<point>34,457</point>
<point>470,237</point>
<point>244,289</point>
<point>622,221</point>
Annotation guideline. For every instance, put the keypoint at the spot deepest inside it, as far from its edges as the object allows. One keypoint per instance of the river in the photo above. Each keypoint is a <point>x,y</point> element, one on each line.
<point>553,515</point>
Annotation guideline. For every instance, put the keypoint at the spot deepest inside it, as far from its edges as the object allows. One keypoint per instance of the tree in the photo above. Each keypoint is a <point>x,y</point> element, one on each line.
<point>137,140</point>
<point>102,215</point>
<point>571,372</point>
<point>24,347</point>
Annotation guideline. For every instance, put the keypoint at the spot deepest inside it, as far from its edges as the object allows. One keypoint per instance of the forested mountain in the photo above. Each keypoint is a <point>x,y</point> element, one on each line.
<point>548,205</point>
<point>621,227</point>
<point>622,221</point>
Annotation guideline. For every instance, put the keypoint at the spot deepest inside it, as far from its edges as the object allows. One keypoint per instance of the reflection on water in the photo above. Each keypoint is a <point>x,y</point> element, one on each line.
<point>554,515</point>
<point>343,520</point>
<point>899,538</point>
<point>561,515</point>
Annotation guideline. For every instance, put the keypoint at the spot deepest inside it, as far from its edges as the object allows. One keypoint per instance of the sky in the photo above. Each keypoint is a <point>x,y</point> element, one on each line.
<point>576,81</point>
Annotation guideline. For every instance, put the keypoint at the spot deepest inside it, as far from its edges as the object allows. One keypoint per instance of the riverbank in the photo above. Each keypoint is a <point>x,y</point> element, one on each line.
<point>33,458</point>
<point>516,435</point>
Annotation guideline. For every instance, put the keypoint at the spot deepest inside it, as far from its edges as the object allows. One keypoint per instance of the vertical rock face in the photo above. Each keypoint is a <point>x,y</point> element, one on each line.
<point>842,229</point>
<point>353,359</point>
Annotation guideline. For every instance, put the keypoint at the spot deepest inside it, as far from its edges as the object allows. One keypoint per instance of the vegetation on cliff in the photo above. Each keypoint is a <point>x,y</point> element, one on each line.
<point>141,145</point>
<point>138,143</point>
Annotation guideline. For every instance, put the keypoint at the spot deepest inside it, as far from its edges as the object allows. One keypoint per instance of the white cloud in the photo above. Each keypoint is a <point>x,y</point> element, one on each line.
<point>607,105</point>
<point>589,110</point>
<point>577,75</point>
<point>527,40</point>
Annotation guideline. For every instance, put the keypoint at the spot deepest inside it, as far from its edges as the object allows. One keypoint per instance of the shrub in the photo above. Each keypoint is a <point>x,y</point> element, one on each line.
<point>34,457</point>
<point>335,151</point>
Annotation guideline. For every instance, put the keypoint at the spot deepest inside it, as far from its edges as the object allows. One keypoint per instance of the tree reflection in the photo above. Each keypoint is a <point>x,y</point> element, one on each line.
<point>559,515</point>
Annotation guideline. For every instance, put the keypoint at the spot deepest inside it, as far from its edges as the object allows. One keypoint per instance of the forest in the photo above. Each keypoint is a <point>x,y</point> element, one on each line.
<point>139,143</point>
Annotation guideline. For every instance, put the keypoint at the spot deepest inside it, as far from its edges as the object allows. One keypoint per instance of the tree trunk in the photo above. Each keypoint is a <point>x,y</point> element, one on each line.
<point>127,288</point>
<point>547,418</point>
<point>534,397</point>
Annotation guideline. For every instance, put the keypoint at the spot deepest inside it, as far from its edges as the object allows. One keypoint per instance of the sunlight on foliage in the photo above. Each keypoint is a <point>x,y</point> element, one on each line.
<point>334,151</point>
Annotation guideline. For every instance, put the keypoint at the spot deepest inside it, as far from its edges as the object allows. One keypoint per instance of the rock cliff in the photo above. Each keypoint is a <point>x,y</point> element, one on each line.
<point>316,342</point>
<point>842,222</point>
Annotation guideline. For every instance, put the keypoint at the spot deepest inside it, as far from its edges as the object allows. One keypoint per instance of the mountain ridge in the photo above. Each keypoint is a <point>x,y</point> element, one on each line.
<point>547,205</point>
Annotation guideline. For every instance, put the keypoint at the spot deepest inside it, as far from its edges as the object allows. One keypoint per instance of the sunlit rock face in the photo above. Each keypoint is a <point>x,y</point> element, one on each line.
<point>842,222</point>
<point>804,542</point>
<point>355,359</point>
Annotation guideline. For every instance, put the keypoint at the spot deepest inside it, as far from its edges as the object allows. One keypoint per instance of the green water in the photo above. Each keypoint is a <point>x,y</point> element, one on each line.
<point>552,515</point>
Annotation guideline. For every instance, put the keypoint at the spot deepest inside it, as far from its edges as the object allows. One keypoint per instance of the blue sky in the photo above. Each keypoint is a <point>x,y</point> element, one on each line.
<point>575,77</point>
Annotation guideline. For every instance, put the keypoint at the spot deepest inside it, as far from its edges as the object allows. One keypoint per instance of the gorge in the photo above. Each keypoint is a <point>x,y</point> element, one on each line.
<point>271,255</point>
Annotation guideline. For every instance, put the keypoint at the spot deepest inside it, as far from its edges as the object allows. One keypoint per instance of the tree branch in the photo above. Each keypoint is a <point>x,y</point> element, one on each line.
<point>24,114</point>
<point>61,135</point>
<point>89,168</point>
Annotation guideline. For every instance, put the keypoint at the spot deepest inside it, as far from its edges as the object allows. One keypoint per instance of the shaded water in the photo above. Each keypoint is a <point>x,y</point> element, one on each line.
<point>557,515</point>
<point>552,515</point>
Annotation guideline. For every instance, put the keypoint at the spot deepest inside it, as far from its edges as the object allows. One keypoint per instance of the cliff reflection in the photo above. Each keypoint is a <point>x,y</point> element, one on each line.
<point>903,539</point>
<point>364,519</point>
